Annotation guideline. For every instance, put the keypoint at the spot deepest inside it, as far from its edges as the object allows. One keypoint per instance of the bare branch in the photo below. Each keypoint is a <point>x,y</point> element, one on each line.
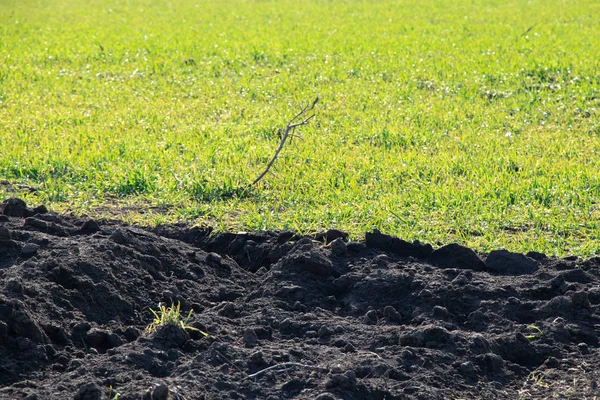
<point>284,367</point>
<point>528,30</point>
<point>289,130</point>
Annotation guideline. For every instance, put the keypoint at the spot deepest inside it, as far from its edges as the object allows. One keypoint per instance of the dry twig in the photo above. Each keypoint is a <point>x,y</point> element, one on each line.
<point>289,130</point>
<point>284,367</point>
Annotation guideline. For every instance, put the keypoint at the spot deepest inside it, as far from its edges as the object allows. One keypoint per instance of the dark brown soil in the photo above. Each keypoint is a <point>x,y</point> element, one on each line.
<point>288,317</point>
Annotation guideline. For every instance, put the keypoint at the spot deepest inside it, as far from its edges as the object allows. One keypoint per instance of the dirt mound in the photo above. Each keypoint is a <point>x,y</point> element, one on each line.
<point>287,316</point>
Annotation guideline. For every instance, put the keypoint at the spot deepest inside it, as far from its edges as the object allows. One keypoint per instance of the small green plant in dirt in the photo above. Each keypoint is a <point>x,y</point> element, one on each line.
<point>113,395</point>
<point>539,333</point>
<point>171,316</point>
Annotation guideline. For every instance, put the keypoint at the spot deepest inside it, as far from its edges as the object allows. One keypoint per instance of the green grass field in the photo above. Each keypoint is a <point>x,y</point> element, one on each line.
<point>473,121</point>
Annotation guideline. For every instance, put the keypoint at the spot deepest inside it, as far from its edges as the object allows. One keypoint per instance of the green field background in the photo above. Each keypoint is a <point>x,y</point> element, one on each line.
<point>470,121</point>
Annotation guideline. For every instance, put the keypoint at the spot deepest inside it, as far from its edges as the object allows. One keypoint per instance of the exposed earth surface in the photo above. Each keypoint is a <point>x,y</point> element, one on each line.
<point>287,316</point>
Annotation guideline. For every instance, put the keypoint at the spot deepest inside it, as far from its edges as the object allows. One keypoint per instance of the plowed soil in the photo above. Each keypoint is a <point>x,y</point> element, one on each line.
<point>287,317</point>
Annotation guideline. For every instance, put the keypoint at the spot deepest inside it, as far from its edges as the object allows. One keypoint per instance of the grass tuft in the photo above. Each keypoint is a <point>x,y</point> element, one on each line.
<point>171,316</point>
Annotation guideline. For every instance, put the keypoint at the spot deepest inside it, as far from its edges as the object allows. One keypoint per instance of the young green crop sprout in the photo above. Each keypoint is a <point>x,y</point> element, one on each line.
<point>538,378</point>
<point>534,336</point>
<point>171,316</point>
<point>112,395</point>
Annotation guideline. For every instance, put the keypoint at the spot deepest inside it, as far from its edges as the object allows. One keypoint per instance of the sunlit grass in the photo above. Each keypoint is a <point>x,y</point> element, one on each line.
<point>470,121</point>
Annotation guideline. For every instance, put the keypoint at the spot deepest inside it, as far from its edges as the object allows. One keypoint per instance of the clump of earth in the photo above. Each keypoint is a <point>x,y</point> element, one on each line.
<point>287,316</point>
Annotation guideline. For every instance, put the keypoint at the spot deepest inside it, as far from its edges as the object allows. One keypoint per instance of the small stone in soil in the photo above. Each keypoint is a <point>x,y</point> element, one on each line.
<point>161,392</point>
<point>29,249</point>
<point>371,317</point>
<point>89,391</point>
<point>324,331</point>
<point>391,314</point>
<point>325,396</point>
<point>250,339</point>
<point>349,348</point>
